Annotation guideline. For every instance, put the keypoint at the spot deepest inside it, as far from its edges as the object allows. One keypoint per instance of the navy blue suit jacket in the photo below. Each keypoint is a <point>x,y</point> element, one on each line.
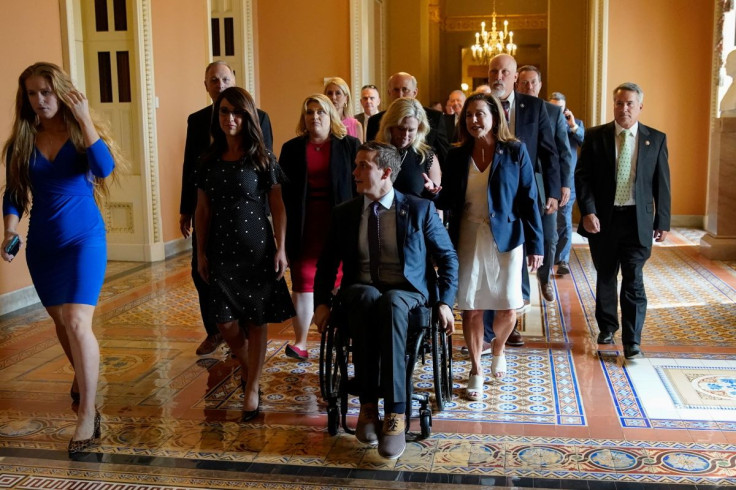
<point>595,180</point>
<point>532,126</point>
<point>512,196</point>
<point>420,237</point>
<point>293,161</point>
<point>559,133</point>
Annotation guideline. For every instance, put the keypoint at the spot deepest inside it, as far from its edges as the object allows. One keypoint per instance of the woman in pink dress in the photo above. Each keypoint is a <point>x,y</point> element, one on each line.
<point>338,92</point>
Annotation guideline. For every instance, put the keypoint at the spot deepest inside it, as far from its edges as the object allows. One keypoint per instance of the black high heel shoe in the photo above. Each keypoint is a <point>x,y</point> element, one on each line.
<point>83,445</point>
<point>250,414</point>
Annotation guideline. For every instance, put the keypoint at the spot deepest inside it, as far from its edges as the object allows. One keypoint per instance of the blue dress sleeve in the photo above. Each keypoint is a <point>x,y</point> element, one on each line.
<point>9,207</point>
<point>100,159</point>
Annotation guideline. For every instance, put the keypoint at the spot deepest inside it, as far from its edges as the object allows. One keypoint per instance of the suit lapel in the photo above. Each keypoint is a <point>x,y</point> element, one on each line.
<point>643,150</point>
<point>609,149</point>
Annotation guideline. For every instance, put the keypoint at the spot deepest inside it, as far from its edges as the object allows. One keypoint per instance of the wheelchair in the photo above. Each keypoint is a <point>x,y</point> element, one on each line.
<point>424,336</point>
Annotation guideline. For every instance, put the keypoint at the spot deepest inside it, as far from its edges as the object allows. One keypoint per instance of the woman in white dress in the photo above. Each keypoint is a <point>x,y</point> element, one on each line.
<point>489,187</point>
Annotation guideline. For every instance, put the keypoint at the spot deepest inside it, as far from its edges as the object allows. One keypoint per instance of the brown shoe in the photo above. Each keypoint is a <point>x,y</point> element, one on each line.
<point>368,423</point>
<point>393,440</point>
<point>209,345</point>
<point>547,292</point>
<point>515,339</point>
<point>563,268</point>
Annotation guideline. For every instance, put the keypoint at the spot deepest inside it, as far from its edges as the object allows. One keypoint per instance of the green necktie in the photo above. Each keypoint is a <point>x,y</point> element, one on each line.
<point>623,174</point>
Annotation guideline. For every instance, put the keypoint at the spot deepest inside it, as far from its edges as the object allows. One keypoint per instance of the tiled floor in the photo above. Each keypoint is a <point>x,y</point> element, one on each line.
<point>567,415</point>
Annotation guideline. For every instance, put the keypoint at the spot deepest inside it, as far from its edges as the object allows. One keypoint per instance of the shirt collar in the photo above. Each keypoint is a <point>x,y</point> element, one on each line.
<point>385,201</point>
<point>511,98</point>
<point>633,129</point>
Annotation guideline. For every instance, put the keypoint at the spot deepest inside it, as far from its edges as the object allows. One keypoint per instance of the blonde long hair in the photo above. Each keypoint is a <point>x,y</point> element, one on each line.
<point>19,147</point>
<point>399,110</point>
<point>337,128</point>
<point>346,111</point>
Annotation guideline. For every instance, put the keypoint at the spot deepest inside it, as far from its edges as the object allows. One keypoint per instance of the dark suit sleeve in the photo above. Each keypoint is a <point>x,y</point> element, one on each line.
<point>440,248</point>
<point>585,174</point>
<point>188,201</point>
<point>373,123</point>
<point>526,203</point>
<point>437,137</point>
<point>547,154</point>
<point>329,260</point>
<point>578,136</point>
<point>661,189</point>
<point>265,123</point>
<point>562,142</point>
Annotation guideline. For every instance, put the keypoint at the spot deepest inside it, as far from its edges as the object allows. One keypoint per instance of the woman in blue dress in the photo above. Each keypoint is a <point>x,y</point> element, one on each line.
<point>59,155</point>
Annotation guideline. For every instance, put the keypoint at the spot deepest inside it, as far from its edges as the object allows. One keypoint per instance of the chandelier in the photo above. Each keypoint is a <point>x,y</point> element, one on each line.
<point>490,43</point>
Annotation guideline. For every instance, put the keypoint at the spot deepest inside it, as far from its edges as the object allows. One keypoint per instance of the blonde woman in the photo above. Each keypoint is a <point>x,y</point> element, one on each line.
<point>318,165</point>
<point>337,90</point>
<point>59,155</point>
<point>405,126</point>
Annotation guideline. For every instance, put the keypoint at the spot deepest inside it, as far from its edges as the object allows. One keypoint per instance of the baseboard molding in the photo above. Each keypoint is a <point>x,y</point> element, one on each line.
<point>20,298</point>
<point>136,252</point>
<point>688,221</point>
<point>175,247</point>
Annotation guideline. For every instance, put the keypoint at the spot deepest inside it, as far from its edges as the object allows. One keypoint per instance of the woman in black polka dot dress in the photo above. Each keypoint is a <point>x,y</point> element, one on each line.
<point>240,256</point>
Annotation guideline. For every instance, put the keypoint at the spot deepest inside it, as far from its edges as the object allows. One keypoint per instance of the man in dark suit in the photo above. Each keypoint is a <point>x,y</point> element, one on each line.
<point>385,275</point>
<point>623,188</point>
<point>529,122</point>
<point>575,137</point>
<point>370,101</point>
<point>455,101</point>
<point>404,85</point>
<point>530,83</point>
<point>217,77</point>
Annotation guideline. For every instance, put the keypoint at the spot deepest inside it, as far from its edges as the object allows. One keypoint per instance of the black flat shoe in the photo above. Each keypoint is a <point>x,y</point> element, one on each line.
<point>84,445</point>
<point>631,350</point>
<point>605,338</point>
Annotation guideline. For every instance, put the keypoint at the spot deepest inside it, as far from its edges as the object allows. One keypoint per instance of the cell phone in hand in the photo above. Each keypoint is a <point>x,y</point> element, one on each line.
<point>13,246</point>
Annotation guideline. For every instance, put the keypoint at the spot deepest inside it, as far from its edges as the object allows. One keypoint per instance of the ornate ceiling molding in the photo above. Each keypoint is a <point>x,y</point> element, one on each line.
<point>517,22</point>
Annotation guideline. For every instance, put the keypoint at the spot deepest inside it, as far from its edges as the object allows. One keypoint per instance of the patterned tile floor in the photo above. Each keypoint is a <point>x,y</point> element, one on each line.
<point>567,415</point>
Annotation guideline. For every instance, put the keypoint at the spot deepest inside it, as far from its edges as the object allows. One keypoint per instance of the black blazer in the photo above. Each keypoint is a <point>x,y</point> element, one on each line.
<point>293,161</point>
<point>532,126</point>
<point>437,137</point>
<point>595,180</point>
<point>420,238</point>
<point>450,127</point>
<point>197,142</point>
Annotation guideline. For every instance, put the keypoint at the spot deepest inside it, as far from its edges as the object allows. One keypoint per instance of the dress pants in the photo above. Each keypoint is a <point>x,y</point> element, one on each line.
<point>611,250</point>
<point>378,323</point>
<point>203,291</point>
<point>549,226</point>
<point>564,230</point>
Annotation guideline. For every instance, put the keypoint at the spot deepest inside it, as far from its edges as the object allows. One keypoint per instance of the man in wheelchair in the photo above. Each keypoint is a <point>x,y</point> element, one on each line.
<point>386,242</point>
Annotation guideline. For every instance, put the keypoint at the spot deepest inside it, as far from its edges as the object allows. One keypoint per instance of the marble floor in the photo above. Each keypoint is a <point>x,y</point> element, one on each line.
<point>568,414</point>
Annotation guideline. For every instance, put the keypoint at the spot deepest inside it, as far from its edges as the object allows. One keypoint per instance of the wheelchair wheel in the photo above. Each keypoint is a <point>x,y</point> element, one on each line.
<point>441,367</point>
<point>333,420</point>
<point>329,369</point>
<point>425,422</point>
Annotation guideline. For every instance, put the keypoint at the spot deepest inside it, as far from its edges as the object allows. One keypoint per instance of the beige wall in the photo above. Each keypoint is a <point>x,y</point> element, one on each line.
<point>180,54</point>
<point>667,51</point>
<point>299,45</point>
<point>408,45</point>
<point>30,31</point>
<point>567,66</point>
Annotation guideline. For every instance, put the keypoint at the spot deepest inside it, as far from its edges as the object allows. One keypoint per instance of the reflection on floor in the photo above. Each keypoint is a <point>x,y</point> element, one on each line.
<point>567,414</point>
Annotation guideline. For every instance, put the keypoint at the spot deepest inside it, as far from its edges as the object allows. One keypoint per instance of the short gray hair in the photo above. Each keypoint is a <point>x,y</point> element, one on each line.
<point>631,87</point>
<point>387,156</point>
<point>558,96</point>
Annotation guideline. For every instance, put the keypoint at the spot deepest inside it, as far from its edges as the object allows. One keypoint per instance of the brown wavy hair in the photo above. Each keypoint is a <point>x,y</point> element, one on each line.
<point>251,134</point>
<point>19,147</point>
<point>499,127</point>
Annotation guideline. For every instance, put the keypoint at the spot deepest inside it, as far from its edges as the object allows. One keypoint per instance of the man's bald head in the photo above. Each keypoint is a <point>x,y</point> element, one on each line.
<point>502,75</point>
<point>402,84</point>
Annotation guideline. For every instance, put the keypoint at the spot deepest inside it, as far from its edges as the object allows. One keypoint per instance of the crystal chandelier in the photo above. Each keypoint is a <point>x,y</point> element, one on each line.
<point>490,43</point>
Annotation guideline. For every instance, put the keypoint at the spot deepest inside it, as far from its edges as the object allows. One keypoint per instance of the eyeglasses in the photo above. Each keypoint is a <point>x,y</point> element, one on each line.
<point>369,86</point>
<point>225,112</point>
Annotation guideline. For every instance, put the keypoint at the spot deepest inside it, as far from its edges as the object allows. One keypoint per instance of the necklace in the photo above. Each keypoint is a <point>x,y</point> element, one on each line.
<point>318,146</point>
